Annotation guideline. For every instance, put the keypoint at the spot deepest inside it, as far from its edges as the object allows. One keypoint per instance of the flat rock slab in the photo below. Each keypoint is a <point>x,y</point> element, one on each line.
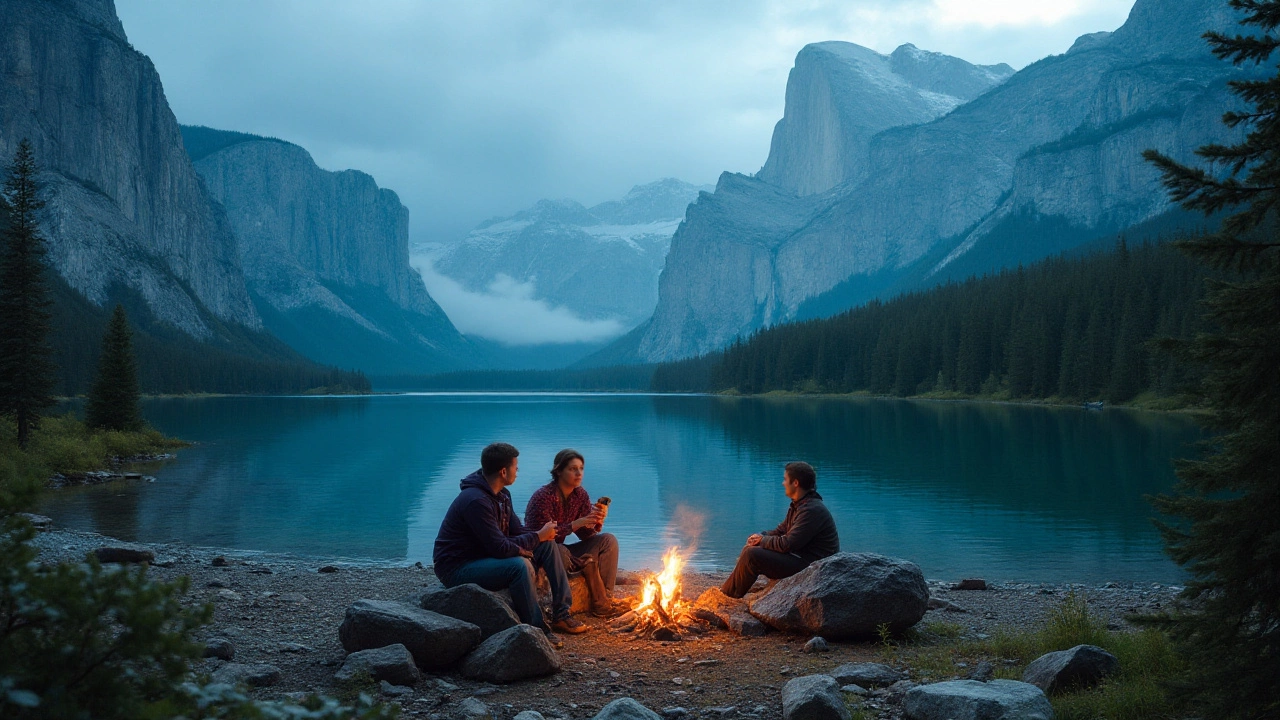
<point>813,697</point>
<point>626,709</point>
<point>471,603</point>
<point>124,555</point>
<point>516,653</point>
<point>436,641</point>
<point>1080,667</point>
<point>246,674</point>
<point>868,675</point>
<point>847,595</point>
<point>973,700</point>
<point>393,664</point>
<point>729,613</point>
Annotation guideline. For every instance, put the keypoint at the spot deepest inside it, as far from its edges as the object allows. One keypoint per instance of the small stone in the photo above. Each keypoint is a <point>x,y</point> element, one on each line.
<point>40,522</point>
<point>395,690</point>
<point>626,709</point>
<point>261,571</point>
<point>473,709</point>
<point>216,584</point>
<point>230,595</point>
<point>813,697</point>
<point>445,686</point>
<point>292,647</point>
<point>723,711</point>
<point>674,712</point>
<point>970,584</point>
<point>816,645</point>
<point>937,603</point>
<point>855,690</point>
<point>220,648</point>
<point>165,562</point>
<point>866,674</point>
<point>245,674</point>
<point>706,662</point>
<point>983,673</point>
<point>328,569</point>
<point>529,715</point>
<point>124,555</point>
<point>220,562</point>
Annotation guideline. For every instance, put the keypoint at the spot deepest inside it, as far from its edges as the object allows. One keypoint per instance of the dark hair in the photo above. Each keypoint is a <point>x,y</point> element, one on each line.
<point>497,456</point>
<point>802,474</point>
<point>563,458</point>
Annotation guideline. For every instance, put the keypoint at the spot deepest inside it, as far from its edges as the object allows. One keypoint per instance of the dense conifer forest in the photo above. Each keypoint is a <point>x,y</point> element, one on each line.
<point>1071,327</point>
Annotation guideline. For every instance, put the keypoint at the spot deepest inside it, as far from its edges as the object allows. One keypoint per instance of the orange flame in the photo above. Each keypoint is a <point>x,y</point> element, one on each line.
<point>661,592</point>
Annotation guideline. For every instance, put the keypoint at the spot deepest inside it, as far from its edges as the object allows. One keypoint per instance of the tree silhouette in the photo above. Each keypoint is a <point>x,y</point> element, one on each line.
<point>113,400</point>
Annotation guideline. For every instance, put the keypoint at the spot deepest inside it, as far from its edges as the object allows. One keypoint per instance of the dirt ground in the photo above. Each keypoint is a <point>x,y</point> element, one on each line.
<point>281,611</point>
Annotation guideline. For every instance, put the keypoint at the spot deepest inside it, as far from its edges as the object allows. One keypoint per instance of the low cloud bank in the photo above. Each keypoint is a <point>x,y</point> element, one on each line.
<point>508,312</point>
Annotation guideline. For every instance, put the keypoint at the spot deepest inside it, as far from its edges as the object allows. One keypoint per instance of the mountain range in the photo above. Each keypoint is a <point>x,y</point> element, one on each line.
<point>864,196</point>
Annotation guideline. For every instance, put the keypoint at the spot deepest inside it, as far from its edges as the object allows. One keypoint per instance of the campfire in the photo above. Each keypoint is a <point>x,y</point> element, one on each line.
<point>661,613</point>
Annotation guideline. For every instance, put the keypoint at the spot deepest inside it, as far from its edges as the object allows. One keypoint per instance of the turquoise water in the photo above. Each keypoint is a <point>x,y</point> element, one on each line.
<point>1004,492</point>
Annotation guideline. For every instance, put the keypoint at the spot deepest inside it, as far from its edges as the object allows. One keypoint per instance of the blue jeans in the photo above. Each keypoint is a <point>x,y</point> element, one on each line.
<point>517,575</point>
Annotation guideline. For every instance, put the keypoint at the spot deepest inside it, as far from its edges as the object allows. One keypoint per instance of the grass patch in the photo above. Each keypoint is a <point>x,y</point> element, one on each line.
<point>1147,661</point>
<point>65,444</point>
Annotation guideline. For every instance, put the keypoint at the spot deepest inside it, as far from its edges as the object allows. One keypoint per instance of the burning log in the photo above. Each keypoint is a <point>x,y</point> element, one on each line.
<point>660,613</point>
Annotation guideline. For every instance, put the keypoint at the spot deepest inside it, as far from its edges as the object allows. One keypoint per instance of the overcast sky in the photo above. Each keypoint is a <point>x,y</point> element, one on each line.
<point>477,108</point>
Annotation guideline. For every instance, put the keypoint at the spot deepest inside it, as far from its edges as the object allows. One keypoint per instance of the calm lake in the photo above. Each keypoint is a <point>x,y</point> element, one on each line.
<point>1004,492</point>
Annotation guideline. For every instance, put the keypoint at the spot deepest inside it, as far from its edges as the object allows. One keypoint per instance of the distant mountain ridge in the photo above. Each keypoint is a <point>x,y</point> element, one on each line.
<point>326,257</point>
<point>600,262</point>
<point>1056,144</point>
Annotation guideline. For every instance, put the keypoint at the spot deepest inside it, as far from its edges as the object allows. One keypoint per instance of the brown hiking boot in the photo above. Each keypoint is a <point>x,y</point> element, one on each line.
<point>569,626</point>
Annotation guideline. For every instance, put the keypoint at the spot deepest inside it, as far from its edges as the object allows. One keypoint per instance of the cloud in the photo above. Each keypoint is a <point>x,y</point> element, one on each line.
<point>509,313</point>
<point>474,109</point>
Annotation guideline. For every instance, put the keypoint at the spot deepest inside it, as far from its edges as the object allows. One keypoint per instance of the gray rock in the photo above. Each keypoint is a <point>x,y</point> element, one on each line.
<point>937,603</point>
<point>328,569</point>
<point>514,654</point>
<point>854,690</point>
<point>435,640</point>
<point>220,648</point>
<point>471,603</point>
<point>529,715</point>
<point>670,713</point>
<point>626,709</point>
<point>393,663</point>
<point>395,690</point>
<point>472,709</point>
<point>124,555</point>
<point>246,674</point>
<point>39,522</point>
<point>1080,667</point>
<point>973,700</point>
<point>867,675</point>
<point>847,595</point>
<point>816,645</point>
<point>729,613</point>
<point>970,584</point>
<point>983,673</point>
<point>813,697</point>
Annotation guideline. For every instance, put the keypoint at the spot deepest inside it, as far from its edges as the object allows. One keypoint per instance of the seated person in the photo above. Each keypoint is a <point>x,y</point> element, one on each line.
<point>564,502</point>
<point>808,533</point>
<point>482,541</point>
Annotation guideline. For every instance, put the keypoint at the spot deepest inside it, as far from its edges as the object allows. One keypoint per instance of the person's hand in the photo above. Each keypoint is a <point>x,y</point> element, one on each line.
<point>754,539</point>
<point>548,531</point>
<point>591,520</point>
<point>603,511</point>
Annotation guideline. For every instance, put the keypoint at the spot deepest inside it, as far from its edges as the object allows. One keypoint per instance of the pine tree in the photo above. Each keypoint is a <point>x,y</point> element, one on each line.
<point>26,371</point>
<point>113,400</point>
<point>1228,502</point>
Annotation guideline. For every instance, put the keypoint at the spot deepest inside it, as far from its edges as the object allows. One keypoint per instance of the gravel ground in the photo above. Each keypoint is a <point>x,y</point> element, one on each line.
<point>280,610</point>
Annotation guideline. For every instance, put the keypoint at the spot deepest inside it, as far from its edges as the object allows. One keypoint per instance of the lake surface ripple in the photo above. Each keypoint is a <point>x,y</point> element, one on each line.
<point>1005,492</point>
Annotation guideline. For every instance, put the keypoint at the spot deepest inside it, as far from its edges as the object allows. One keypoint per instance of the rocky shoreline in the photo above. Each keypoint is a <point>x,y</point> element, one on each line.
<point>285,611</point>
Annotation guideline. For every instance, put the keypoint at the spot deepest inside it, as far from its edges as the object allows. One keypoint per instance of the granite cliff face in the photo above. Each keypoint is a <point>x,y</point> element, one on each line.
<point>600,262</point>
<point>125,208</point>
<point>1059,140</point>
<point>839,95</point>
<point>326,257</point>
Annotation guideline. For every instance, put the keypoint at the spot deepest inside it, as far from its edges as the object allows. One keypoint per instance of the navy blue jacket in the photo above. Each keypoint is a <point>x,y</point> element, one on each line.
<point>479,524</point>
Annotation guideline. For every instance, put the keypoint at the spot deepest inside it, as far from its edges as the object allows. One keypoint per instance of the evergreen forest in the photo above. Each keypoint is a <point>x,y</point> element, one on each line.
<point>1071,328</point>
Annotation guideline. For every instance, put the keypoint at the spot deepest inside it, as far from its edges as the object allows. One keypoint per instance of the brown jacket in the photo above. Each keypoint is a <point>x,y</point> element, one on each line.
<point>808,531</point>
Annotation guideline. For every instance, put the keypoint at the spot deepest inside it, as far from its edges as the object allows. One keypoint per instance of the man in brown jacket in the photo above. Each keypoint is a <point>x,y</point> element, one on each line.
<point>808,533</point>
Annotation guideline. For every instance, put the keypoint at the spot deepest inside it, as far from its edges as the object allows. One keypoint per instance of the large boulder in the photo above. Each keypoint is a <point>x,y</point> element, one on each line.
<point>868,675</point>
<point>847,595</point>
<point>516,653</point>
<point>471,603</point>
<point>1080,667</point>
<point>247,674</point>
<point>435,640</point>
<point>973,700</point>
<point>813,697</point>
<point>730,613</point>
<point>393,663</point>
<point>626,709</point>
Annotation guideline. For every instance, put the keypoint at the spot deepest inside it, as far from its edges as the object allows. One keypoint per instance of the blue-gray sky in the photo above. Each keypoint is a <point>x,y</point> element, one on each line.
<point>478,108</point>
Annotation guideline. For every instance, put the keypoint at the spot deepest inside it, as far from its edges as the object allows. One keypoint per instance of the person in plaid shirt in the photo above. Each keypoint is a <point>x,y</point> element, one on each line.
<point>565,502</point>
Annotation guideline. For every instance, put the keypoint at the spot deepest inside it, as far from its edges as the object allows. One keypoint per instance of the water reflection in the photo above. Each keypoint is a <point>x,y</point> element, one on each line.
<point>1008,492</point>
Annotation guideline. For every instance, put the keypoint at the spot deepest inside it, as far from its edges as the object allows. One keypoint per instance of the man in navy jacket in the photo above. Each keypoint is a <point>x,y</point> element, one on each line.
<point>482,541</point>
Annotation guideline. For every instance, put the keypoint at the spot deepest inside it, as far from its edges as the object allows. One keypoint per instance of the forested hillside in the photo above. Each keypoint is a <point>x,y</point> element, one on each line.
<point>1076,328</point>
